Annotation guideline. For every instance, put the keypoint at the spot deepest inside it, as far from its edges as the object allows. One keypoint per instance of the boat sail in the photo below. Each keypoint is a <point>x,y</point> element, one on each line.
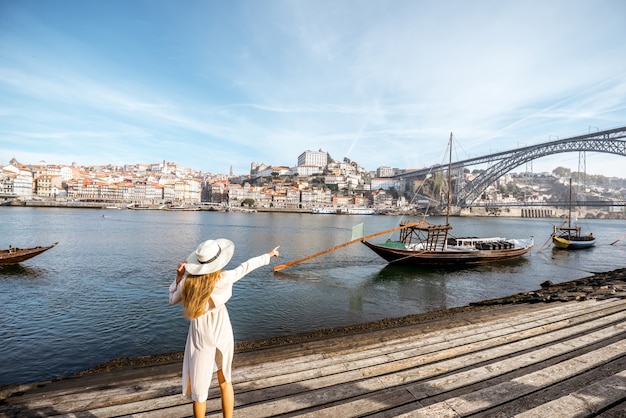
<point>425,244</point>
<point>569,237</point>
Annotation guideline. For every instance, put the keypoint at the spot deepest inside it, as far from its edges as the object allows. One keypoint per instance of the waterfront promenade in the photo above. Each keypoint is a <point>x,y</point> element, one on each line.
<point>501,358</point>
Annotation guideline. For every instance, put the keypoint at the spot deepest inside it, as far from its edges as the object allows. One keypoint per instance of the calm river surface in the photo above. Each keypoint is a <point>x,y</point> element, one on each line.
<point>102,292</point>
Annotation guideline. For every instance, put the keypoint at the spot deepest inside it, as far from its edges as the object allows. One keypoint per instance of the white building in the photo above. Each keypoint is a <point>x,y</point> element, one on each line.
<point>384,171</point>
<point>17,182</point>
<point>316,158</point>
<point>307,170</point>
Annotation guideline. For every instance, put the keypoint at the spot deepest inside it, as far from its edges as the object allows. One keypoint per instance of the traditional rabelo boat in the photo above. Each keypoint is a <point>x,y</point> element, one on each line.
<point>17,255</point>
<point>569,237</point>
<point>425,244</point>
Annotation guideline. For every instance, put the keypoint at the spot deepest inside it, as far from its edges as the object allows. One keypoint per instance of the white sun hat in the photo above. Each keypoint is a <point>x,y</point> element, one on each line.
<point>210,256</point>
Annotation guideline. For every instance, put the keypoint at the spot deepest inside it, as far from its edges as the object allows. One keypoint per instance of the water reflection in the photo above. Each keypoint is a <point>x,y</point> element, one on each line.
<point>397,271</point>
<point>22,271</point>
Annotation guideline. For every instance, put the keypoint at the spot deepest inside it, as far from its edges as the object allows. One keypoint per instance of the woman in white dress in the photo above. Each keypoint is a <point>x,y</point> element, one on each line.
<point>204,290</point>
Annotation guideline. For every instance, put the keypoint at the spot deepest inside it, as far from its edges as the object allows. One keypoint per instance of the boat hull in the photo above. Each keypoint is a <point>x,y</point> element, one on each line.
<point>456,257</point>
<point>18,255</point>
<point>573,244</point>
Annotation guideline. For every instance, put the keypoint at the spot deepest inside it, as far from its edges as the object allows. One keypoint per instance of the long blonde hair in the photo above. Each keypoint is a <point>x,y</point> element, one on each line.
<point>196,293</point>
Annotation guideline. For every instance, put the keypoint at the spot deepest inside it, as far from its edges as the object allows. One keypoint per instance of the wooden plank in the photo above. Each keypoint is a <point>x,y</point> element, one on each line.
<point>546,394</point>
<point>457,362</point>
<point>318,395</point>
<point>94,399</point>
<point>586,401</point>
<point>484,399</point>
<point>392,369</point>
<point>76,402</point>
<point>376,401</point>
<point>310,398</point>
<point>358,347</point>
<point>386,367</point>
<point>465,335</point>
<point>390,352</point>
<point>474,342</point>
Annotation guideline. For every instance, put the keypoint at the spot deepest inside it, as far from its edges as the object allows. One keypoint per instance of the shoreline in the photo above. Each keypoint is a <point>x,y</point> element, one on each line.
<point>531,211</point>
<point>603,285</point>
<point>598,286</point>
<point>518,358</point>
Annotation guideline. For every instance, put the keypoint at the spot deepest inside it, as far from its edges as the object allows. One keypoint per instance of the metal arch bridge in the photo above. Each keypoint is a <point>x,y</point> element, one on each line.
<point>602,141</point>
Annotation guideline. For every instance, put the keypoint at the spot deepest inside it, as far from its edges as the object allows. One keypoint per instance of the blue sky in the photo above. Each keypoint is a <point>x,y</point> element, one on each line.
<point>214,84</point>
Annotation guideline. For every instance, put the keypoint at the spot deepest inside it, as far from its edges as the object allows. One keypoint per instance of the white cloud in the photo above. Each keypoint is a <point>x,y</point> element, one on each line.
<point>381,83</point>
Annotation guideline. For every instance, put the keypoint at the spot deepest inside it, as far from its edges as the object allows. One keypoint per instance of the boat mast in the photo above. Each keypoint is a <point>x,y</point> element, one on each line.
<point>449,181</point>
<point>569,216</point>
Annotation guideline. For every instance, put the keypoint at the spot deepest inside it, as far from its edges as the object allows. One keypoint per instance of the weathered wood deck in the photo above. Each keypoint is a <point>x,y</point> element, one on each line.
<point>539,360</point>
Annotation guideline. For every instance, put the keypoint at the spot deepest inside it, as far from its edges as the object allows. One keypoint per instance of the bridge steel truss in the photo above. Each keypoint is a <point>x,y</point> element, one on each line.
<point>603,141</point>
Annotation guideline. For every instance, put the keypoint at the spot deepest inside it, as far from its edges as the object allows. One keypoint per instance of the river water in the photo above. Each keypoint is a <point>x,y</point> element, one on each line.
<point>102,292</point>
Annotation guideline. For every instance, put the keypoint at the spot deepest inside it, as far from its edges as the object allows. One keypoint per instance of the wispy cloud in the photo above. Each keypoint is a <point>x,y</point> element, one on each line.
<point>216,85</point>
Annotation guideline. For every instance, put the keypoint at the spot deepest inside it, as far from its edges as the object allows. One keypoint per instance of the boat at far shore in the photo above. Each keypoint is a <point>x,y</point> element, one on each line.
<point>352,210</point>
<point>569,237</point>
<point>14,255</point>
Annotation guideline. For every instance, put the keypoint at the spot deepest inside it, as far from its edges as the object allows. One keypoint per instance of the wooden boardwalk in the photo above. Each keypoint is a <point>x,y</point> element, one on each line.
<point>533,360</point>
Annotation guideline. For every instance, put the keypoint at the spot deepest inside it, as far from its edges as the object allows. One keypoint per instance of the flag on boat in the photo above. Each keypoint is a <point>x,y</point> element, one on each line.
<point>357,231</point>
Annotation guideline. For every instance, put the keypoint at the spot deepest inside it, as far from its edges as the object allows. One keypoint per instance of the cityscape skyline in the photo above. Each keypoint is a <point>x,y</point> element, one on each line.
<point>219,85</point>
<point>524,169</point>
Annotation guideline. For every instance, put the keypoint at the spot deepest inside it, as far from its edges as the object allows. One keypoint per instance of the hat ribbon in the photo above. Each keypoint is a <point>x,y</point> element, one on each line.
<point>219,251</point>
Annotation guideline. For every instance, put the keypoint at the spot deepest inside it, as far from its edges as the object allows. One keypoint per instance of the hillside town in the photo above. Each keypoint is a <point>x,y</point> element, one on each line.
<point>317,183</point>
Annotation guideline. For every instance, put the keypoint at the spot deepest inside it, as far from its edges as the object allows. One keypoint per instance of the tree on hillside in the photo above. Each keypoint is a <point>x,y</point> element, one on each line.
<point>562,172</point>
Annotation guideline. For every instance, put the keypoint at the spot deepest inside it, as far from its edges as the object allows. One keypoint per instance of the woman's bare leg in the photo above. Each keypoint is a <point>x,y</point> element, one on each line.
<point>199,409</point>
<point>228,395</point>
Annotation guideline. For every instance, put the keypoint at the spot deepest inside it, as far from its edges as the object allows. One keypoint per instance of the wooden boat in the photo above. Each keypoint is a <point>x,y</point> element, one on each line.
<point>569,237</point>
<point>17,255</point>
<point>425,244</point>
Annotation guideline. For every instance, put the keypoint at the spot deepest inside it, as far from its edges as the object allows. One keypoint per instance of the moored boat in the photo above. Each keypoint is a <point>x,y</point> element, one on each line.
<point>17,255</point>
<point>569,237</point>
<point>361,211</point>
<point>425,244</point>
<point>324,211</point>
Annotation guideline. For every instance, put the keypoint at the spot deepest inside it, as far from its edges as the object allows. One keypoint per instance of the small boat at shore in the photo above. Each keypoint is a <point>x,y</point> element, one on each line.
<point>569,237</point>
<point>14,255</point>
